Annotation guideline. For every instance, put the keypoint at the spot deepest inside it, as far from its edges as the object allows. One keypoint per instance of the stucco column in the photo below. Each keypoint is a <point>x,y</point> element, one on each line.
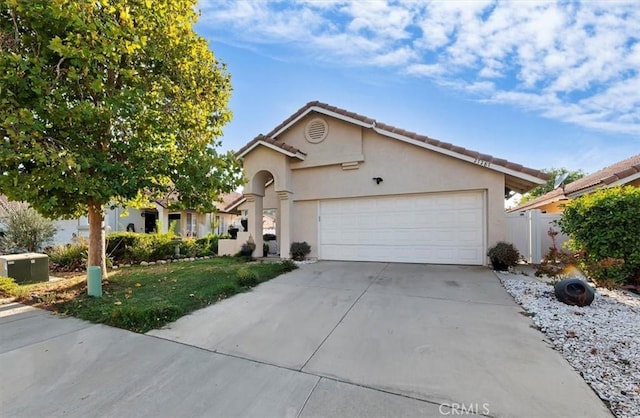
<point>285,226</point>
<point>254,218</point>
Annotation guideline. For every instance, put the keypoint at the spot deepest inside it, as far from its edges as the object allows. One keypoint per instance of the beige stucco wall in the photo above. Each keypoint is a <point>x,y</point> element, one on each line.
<point>405,168</point>
<point>305,224</point>
<point>343,143</point>
<point>266,159</point>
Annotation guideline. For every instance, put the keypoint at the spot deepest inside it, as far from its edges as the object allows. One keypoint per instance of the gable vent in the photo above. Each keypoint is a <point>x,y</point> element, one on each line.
<point>316,130</point>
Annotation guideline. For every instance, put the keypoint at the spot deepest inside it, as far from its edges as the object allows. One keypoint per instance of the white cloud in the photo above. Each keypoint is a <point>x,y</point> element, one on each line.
<point>572,61</point>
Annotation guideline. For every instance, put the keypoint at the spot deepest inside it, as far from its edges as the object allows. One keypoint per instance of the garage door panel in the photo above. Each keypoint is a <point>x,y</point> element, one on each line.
<point>432,228</point>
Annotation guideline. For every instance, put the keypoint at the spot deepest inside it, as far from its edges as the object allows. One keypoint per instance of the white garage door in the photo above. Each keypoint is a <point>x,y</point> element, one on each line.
<point>438,228</point>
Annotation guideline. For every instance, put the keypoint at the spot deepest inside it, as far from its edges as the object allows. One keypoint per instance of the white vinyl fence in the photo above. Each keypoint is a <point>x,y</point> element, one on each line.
<point>529,232</point>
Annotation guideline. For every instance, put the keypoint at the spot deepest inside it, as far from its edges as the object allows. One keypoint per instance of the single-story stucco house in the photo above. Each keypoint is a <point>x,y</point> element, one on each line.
<point>622,173</point>
<point>357,189</point>
<point>186,222</point>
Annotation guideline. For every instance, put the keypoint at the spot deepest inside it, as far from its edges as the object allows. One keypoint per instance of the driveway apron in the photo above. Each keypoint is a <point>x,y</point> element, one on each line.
<point>445,335</point>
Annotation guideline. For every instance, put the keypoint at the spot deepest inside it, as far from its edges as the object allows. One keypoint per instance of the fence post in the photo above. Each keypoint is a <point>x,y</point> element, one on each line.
<point>535,243</point>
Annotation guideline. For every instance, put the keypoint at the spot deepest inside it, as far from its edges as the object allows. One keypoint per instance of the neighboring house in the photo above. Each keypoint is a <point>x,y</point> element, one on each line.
<point>356,189</point>
<point>186,223</point>
<point>625,172</point>
<point>228,214</point>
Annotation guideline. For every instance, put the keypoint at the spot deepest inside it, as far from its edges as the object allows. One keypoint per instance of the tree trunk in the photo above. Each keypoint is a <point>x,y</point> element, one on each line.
<point>96,256</point>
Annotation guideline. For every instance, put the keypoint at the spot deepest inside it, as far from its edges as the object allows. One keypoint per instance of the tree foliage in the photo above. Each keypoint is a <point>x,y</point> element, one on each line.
<point>605,231</point>
<point>109,101</point>
<point>548,186</point>
<point>25,229</point>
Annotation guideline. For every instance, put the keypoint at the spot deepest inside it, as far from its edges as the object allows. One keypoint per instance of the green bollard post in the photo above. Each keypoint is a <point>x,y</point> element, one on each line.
<point>94,281</point>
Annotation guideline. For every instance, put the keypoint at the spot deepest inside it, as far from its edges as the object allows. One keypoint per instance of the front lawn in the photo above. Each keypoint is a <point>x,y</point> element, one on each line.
<point>144,298</point>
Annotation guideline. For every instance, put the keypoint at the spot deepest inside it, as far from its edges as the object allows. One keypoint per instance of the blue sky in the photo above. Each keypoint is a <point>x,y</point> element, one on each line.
<point>542,84</point>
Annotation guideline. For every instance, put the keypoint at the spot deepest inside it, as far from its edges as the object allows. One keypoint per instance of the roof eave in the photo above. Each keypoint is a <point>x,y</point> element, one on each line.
<point>297,155</point>
<point>324,111</point>
<point>533,180</point>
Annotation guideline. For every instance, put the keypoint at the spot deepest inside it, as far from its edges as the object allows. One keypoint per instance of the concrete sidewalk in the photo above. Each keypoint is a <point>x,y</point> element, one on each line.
<point>327,340</point>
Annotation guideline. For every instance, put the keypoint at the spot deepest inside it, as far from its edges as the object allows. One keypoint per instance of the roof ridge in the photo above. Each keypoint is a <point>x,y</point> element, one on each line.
<point>271,138</point>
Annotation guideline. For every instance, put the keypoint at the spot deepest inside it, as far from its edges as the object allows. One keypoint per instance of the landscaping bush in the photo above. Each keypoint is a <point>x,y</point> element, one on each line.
<point>503,255</point>
<point>8,286</point>
<point>208,244</point>
<point>555,263</point>
<point>247,249</point>
<point>288,265</point>
<point>69,257</point>
<point>605,231</point>
<point>190,247</point>
<point>117,244</point>
<point>300,250</point>
<point>151,247</point>
<point>246,277</point>
<point>25,229</point>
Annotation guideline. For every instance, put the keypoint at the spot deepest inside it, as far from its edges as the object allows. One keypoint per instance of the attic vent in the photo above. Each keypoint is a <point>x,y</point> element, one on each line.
<point>316,130</point>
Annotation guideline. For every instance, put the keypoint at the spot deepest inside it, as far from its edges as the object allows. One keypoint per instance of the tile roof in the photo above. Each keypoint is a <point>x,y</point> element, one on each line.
<point>271,138</point>
<point>228,201</point>
<point>272,141</point>
<point>604,177</point>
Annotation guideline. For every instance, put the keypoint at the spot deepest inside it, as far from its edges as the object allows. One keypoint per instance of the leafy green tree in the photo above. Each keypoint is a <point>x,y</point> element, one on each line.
<point>108,102</point>
<point>605,231</point>
<point>548,186</point>
<point>25,229</point>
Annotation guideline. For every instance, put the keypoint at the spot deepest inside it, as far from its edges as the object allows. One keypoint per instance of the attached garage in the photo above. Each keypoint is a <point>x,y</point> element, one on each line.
<point>438,228</point>
<point>356,189</point>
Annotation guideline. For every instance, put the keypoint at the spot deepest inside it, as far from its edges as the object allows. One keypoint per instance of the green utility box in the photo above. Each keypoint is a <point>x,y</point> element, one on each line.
<point>25,268</point>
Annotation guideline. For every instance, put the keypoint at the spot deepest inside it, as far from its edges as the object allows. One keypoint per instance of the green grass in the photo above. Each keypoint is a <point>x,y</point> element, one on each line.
<point>144,298</point>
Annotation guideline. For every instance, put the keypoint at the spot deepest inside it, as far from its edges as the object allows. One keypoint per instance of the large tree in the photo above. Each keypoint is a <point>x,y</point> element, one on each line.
<point>553,174</point>
<point>109,101</point>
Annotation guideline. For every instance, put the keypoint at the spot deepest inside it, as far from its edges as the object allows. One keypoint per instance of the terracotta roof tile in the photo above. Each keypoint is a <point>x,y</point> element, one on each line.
<point>389,128</point>
<point>271,141</point>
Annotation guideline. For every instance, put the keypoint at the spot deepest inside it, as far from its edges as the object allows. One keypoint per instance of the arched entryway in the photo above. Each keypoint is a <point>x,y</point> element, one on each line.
<point>281,203</point>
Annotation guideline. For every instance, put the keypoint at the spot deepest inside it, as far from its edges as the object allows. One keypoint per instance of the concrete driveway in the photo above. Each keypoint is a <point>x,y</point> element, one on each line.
<point>330,339</point>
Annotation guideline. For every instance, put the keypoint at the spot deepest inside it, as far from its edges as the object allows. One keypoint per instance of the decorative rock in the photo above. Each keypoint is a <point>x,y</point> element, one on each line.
<point>600,340</point>
<point>144,263</point>
<point>152,263</point>
<point>162,262</point>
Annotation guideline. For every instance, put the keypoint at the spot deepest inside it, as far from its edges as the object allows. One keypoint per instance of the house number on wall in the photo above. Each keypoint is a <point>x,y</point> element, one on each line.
<point>483,163</point>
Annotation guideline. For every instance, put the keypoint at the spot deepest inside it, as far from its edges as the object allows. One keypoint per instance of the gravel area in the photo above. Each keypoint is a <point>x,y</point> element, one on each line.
<point>601,341</point>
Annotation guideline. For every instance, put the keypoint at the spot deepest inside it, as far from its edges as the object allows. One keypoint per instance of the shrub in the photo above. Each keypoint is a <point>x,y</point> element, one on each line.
<point>208,244</point>
<point>247,249</point>
<point>25,229</point>
<point>8,286</point>
<point>151,247</point>
<point>246,277</point>
<point>288,265</point>
<point>300,250</point>
<point>503,255</point>
<point>117,244</point>
<point>69,257</point>
<point>555,264</point>
<point>604,229</point>
<point>190,247</point>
